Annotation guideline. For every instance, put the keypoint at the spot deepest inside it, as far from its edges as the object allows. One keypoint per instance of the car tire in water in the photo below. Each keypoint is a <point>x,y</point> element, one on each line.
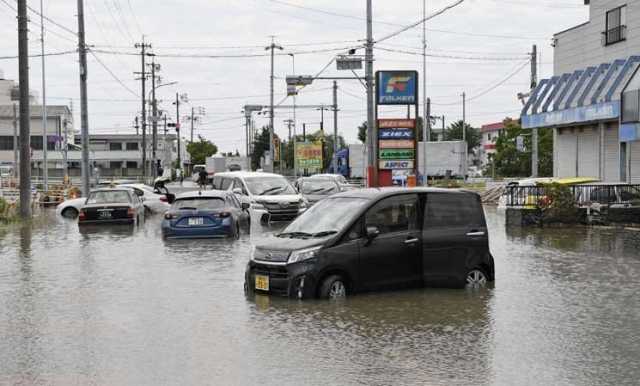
<point>333,287</point>
<point>476,278</point>
<point>70,213</point>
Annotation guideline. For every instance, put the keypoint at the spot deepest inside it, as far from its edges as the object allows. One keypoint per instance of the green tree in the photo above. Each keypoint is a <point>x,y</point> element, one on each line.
<point>509,162</point>
<point>201,149</point>
<point>454,133</point>
<point>362,132</point>
<point>260,146</point>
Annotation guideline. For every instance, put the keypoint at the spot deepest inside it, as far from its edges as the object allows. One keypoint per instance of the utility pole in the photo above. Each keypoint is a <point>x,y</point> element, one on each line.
<point>272,47</point>
<point>25,151</point>
<point>45,142</point>
<point>304,132</point>
<point>154,122</point>
<point>84,114</point>
<point>15,140</point>
<point>335,127</point>
<point>192,119</point>
<point>464,134</point>
<point>178,128</point>
<point>371,129</point>
<point>534,131</point>
<point>143,46</point>
<point>426,124</point>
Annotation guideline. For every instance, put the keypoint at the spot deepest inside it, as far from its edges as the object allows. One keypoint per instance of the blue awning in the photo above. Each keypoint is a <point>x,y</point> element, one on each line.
<point>586,95</point>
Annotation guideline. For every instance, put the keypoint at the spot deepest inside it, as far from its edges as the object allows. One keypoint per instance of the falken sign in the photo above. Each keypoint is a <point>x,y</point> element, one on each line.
<point>397,87</point>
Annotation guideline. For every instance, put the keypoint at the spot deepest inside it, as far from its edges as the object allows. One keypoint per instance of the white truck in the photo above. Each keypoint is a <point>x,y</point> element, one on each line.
<point>219,164</point>
<point>442,158</point>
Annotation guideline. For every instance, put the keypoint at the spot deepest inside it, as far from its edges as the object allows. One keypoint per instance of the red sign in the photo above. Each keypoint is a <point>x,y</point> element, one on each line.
<point>396,123</point>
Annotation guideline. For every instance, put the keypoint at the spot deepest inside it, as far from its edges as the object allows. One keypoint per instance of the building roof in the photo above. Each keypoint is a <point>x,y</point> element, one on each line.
<point>6,111</point>
<point>492,127</point>
<point>585,95</point>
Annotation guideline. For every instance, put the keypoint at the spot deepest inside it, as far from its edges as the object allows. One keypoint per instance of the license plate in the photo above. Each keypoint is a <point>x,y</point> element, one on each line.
<point>105,215</point>
<point>196,221</point>
<point>262,283</point>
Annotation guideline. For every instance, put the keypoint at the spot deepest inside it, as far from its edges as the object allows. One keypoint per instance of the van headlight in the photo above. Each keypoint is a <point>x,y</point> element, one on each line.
<point>257,205</point>
<point>304,254</point>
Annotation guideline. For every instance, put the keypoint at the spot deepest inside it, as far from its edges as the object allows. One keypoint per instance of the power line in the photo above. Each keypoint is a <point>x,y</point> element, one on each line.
<point>488,58</point>
<point>61,53</point>
<point>135,18</point>
<point>5,2</point>
<point>437,13</point>
<point>112,74</point>
<point>52,21</point>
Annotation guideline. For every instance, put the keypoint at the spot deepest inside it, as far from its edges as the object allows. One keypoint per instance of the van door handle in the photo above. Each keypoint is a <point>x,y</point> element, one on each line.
<point>411,241</point>
<point>475,234</point>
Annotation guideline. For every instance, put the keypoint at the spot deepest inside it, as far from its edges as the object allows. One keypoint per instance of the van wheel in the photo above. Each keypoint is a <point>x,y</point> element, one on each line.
<point>333,287</point>
<point>476,278</point>
<point>69,213</point>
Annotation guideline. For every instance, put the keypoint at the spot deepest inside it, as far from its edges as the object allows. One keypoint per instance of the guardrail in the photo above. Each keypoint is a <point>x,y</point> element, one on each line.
<point>583,195</point>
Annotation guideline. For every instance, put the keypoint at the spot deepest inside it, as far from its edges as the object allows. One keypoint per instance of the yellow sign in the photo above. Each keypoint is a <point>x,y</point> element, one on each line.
<point>309,155</point>
<point>276,149</point>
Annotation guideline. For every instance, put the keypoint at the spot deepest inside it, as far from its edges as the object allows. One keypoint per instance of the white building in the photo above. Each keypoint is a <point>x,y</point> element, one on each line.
<point>594,64</point>
<point>490,134</point>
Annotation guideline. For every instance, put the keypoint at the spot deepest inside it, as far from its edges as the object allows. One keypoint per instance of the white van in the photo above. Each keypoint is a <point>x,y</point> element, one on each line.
<point>271,196</point>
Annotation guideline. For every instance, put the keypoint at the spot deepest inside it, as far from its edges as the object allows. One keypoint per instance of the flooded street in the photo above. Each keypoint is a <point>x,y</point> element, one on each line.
<point>123,306</point>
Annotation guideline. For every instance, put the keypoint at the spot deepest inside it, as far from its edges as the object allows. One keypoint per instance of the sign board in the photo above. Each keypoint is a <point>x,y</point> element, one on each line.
<point>397,144</point>
<point>309,155</point>
<point>396,164</point>
<point>397,87</point>
<point>396,123</point>
<point>349,62</point>
<point>303,80</point>
<point>520,143</point>
<point>292,90</point>
<point>597,112</point>
<point>395,134</point>
<point>397,154</point>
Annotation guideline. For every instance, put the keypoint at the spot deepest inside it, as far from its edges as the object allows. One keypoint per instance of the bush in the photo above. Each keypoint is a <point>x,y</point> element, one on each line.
<point>559,205</point>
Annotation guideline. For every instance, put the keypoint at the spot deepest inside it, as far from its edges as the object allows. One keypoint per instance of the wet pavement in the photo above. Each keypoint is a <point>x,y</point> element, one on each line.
<point>122,306</point>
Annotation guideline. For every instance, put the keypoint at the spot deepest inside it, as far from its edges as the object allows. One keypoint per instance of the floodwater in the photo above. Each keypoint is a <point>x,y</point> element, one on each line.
<point>123,307</point>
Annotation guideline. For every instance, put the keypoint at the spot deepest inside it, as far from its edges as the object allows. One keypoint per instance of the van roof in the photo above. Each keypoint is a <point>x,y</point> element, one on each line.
<point>244,174</point>
<point>375,193</point>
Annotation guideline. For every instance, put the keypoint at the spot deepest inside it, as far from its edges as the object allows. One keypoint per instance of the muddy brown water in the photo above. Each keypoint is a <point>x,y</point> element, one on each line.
<point>120,306</point>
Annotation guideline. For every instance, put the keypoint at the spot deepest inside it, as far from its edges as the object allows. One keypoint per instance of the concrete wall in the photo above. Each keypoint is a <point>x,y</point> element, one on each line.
<point>582,46</point>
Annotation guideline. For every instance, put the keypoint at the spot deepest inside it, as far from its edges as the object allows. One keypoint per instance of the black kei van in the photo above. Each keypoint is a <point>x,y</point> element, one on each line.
<point>374,239</point>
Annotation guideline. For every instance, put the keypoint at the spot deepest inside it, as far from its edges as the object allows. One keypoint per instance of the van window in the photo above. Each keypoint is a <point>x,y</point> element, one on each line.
<point>216,182</point>
<point>394,214</point>
<point>237,184</point>
<point>452,210</point>
<point>225,184</point>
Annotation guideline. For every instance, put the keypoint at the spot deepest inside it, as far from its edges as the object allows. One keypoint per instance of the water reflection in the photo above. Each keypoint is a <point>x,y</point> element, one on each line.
<point>116,306</point>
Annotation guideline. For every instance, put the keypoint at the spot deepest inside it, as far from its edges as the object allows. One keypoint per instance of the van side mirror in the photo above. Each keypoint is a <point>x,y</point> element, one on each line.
<point>237,191</point>
<point>372,232</point>
<point>245,206</point>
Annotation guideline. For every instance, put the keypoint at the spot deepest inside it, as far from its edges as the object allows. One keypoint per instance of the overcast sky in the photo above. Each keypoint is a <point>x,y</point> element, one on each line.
<point>495,34</point>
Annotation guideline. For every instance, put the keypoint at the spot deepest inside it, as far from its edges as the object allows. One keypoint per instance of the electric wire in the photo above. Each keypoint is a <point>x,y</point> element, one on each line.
<point>114,76</point>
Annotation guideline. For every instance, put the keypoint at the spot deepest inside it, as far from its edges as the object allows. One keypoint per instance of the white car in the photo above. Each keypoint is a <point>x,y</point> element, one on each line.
<point>271,196</point>
<point>152,201</point>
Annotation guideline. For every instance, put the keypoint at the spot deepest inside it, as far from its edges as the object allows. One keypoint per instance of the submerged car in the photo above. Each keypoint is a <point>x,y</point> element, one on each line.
<point>112,206</point>
<point>315,189</point>
<point>373,239</point>
<point>270,196</point>
<point>206,214</point>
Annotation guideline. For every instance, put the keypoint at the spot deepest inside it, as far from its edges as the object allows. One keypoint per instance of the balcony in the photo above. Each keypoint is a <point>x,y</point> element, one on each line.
<point>614,35</point>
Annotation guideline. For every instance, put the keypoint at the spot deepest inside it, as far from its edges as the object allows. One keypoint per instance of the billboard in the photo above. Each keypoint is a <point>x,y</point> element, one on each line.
<point>309,155</point>
<point>397,154</point>
<point>395,134</point>
<point>396,164</point>
<point>397,87</point>
<point>397,144</point>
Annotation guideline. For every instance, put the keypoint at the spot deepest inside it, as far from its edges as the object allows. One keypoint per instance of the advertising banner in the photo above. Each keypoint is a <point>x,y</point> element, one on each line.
<point>395,134</point>
<point>397,87</point>
<point>396,123</point>
<point>397,154</point>
<point>397,144</point>
<point>309,155</point>
<point>396,164</point>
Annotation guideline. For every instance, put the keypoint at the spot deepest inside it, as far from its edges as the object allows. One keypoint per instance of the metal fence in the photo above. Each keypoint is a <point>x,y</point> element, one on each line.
<point>584,195</point>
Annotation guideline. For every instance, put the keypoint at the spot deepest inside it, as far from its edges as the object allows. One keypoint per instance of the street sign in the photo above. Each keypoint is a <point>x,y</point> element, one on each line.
<point>397,87</point>
<point>292,90</point>
<point>348,63</point>
<point>396,164</point>
<point>303,80</point>
<point>398,154</point>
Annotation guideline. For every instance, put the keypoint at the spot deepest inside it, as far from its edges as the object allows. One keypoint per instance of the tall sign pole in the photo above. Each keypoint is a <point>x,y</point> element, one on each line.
<point>534,132</point>
<point>372,177</point>
<point>143,46</point>
<point>335,126</point>
<point>426,122</point>
<point>84,114</point>
<point>271,47</point>
<point>154,122</point>
<point>25,145</point>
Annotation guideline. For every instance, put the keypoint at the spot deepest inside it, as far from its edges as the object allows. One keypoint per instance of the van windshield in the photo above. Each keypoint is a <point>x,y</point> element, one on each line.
<point>269,186</point>
<point>325,218</point>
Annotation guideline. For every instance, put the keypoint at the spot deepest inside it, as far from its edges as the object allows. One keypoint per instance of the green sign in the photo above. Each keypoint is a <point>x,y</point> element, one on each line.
<point>397,154</point>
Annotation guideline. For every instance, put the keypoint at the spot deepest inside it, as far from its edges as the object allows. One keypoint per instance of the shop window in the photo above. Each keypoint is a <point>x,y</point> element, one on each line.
<point>132,146</point>
<point>616,29</point>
